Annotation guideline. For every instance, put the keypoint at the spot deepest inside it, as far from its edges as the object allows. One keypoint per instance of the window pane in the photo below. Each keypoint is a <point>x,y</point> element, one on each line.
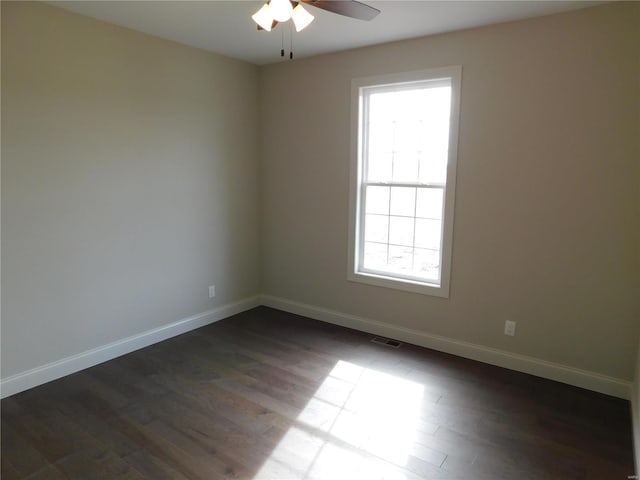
<point>391,105</point>
<point>376,228</point>
<point>433,172</point>
<point>405,166</point>
<point>379,166</point>
<point>408,135</point>
<point>381,104</point>
<point>428,233</point>
<point>429,203</point>
<point>375,256</point>
<point>403,201</point>
<point>438,100</point>
<point>380,135</point>
<point>400,259</point>
<point>426,264</point>
<point>436,140</point>
<point>401,231</point>
<point>435,144</point>
<point>378,200</point>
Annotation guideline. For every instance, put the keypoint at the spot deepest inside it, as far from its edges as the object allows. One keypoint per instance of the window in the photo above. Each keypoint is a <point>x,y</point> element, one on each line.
<point>405,134</point>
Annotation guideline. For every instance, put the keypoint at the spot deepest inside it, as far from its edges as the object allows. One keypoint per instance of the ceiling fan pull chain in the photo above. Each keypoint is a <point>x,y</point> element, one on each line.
<point>282,43</point>
<point>290,42</point>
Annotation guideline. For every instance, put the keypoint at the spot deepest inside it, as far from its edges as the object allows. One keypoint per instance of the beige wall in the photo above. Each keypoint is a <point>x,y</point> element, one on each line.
<point>546,226</point>
<point>129,180</point>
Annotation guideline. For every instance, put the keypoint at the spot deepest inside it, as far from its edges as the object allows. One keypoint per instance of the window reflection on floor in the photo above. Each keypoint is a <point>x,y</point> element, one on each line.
<point>360,424</point>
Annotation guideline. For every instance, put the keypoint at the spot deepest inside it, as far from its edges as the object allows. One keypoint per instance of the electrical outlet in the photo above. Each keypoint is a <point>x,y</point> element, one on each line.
<point>510,328</point>
<point>212,291</point>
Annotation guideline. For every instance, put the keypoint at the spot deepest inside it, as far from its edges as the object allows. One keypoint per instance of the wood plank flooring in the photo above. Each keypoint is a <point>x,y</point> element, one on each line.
<point>269,395</point>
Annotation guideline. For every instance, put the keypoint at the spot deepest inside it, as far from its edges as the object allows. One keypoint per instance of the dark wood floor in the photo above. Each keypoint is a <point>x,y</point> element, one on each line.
<point>269,395</point>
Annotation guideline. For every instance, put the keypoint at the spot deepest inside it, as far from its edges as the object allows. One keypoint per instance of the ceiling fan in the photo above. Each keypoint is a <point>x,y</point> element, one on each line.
<point>277,11</point>
<point>349,8</point>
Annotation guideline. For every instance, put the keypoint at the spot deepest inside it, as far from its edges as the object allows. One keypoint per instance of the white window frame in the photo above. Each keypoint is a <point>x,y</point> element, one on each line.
<point>356,273</point>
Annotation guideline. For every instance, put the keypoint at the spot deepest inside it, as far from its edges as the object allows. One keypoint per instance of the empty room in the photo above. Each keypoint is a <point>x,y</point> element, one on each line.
<point>320,240</point>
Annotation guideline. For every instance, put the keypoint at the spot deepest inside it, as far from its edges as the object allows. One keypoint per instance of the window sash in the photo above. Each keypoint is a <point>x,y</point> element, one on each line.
<point>362,236</point>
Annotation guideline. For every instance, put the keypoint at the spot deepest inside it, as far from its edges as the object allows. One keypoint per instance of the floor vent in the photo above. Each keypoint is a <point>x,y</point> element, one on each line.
<point>386,341</point>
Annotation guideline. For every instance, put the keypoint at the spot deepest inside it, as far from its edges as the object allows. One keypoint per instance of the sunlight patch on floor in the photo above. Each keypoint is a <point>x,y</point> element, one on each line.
<point>360,424</point>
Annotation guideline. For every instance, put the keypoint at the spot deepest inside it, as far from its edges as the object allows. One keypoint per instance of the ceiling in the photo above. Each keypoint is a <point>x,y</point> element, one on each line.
<point>226,27</point>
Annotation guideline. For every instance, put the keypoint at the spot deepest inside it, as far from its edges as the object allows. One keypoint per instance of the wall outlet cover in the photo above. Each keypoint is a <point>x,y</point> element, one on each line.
<point>510,328</point>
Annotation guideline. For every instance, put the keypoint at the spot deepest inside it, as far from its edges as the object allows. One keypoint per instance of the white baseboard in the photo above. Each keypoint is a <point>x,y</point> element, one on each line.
<point>573,376</point>
<point>521,363</point>
<point>66,366</point>
<point>635,414</point>
<point>635,425</point>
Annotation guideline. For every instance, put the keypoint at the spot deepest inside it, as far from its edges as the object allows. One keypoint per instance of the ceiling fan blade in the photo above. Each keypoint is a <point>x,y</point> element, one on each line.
<point>348,8</point>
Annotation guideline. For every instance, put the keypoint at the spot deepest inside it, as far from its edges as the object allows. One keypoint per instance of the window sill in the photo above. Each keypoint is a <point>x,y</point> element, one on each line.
<point>406,285</point>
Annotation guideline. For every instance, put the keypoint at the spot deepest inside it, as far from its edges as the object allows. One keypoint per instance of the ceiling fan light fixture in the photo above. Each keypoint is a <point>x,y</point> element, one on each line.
<point>280,10</point>
<point>264,17</point>
<point>301,18</point>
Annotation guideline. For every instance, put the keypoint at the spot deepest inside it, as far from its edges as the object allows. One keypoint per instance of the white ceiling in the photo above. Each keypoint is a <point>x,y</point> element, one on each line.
<point>226,27</point>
